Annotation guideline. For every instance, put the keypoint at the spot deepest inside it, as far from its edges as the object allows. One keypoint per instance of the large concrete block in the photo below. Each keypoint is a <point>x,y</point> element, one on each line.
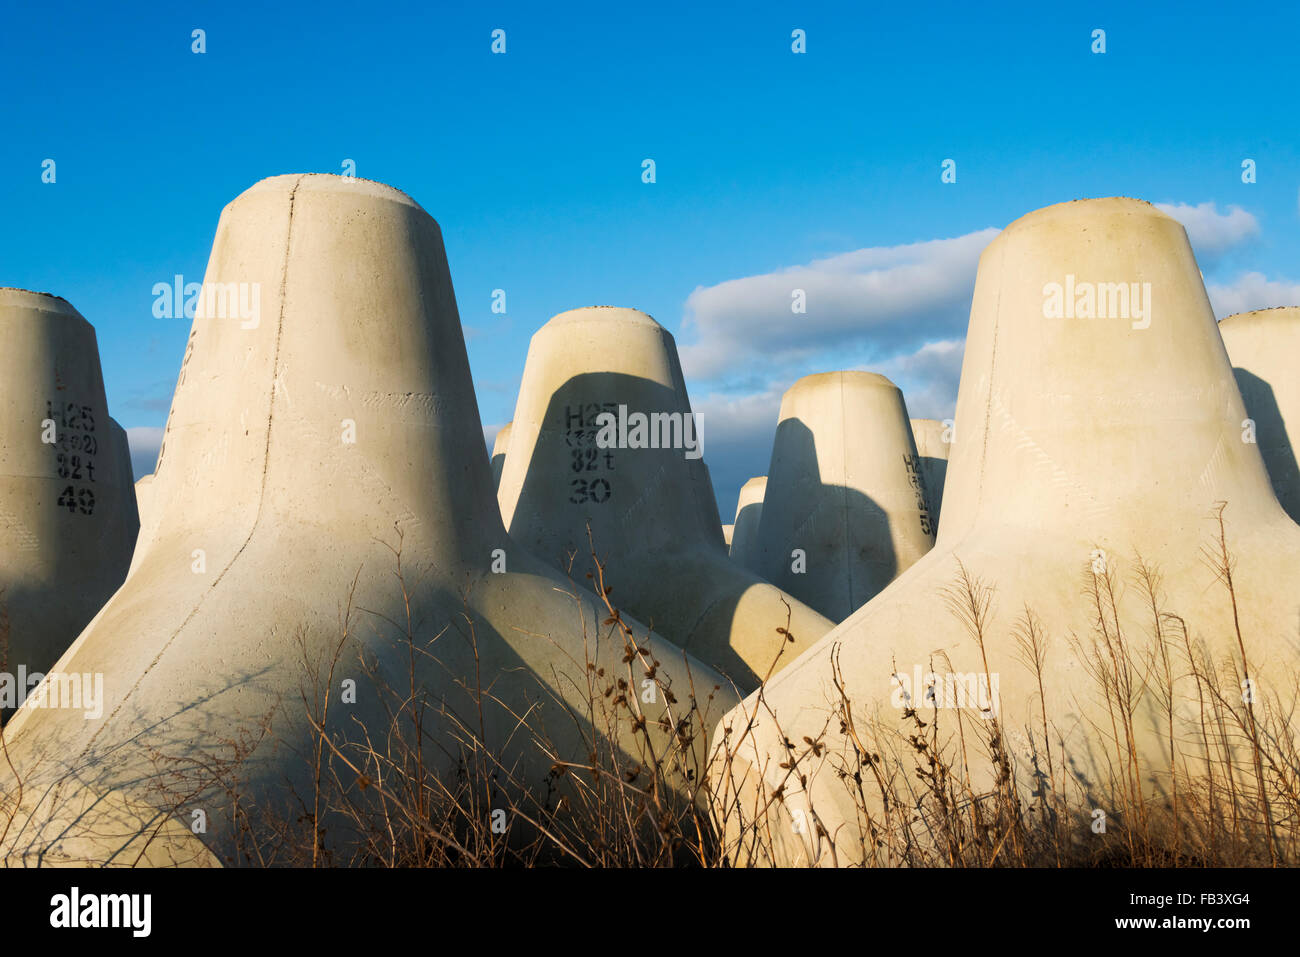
<point>144,496</point>
<point>1099,433</point>
<point>651,510</point>
<point>500,447</point>
<point>308,449</point>
<point>1264,348</point>
<point>845,511</point>
<point>67,512</point>
<point>749,510</point>
<point>144,507</point>
<point>932,439</point>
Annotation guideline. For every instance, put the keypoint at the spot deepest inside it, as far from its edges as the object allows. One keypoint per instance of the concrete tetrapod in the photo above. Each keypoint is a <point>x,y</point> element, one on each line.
<point>1096,441</point>
<point>500,446</point>
<point>651,509</point>
<point>144,496</point>
<point>144,505</point>
<point>932,447</point>
<point>1264,348</point>
<point>67,513</point>
<point>322,466</point>
<point>744,534</point>
<point>711,513</point>
<point>845,509</point>
<point>126,477</point>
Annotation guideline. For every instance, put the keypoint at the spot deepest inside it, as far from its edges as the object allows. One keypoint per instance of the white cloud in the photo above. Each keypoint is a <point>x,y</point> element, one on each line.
<point>144,442</point>
<point>1251,291</point>
<point>883,299</point>
<point>738,433</point>
<point>1210,232</point>
<point>897,310</point>
<point>928,378</point>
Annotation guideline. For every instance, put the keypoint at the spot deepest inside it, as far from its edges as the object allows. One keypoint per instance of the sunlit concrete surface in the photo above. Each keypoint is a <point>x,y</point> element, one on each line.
<point>651,511</point>
<point>1094,449</point>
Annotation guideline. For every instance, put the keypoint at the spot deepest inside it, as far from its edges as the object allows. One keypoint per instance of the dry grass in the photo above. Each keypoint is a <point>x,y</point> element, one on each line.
<point>382,796</point>
<point>943,788</point>
<point>932,788</point>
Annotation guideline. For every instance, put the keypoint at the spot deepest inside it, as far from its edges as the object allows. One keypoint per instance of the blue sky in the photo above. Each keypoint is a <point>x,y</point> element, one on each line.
<point>826,163</point>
